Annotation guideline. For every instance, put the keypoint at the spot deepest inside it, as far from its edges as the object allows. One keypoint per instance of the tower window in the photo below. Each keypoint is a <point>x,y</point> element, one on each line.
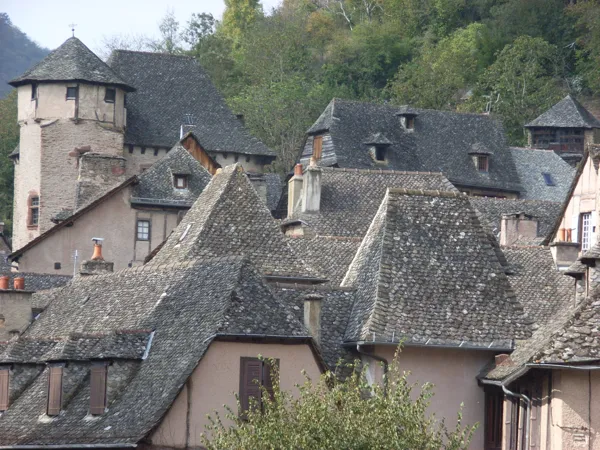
<point>143,230</point>
<point>482,163</point>
<point>34,211</point>
<point>33,91</point>
<point>180,181</point>
<point>317,147</point>
<point>548,179</point>
<point>110,95</point>
<point>72,93</point>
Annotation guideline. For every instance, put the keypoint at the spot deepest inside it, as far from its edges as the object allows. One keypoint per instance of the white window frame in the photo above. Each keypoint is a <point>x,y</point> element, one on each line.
<point>586,231</point>
<point>142,229</point>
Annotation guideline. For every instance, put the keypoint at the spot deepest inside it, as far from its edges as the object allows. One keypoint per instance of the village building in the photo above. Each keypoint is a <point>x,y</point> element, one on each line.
<point>128,112</point>
<point>566,129</point>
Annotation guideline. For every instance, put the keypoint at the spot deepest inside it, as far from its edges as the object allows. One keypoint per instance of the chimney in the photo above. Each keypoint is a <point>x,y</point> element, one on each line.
<point>312,315</point>
<point>294,189</point>
<point>516,227</point>
<point>311,188</point>
<point>96,265</point>
<point>19,283</point>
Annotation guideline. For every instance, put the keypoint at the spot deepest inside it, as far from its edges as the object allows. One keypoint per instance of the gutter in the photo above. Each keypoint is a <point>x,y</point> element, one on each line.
<point>380,359</point>
<point>462,345</point>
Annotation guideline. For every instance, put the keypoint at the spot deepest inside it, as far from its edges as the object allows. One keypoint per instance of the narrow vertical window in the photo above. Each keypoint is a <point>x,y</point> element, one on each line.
<point>4,385</point>
<point>254,374</point>
<point>493,420</point>
<point>317,150</point>
<point>586,231</point>
<point>410,123</point>
<point>55,382</point>
<point>33,216</point>
<point>143,230</point>
<point>33,91</point>
<point>98,377</point>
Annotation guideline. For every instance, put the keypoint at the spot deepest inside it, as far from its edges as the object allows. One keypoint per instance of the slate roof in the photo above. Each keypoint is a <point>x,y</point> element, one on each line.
<point>229,218</point>
<point>169,87</point>
<point>491,210</point>
<point>156,185</point>
<point>442,141</point>
<point>329,255</point>
<point>427,273</point>
<point>181,307</point>
<point>351,197</point>
<point>541,289</point>
<point>72,61</point>
<point>568,113</point>
<point>531,164</point>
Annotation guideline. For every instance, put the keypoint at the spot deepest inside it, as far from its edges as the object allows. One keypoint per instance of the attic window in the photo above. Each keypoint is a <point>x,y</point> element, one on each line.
<point>72,93</point>
<point>110,95</point>
<point>483,163</point>
<point>143,230</point>
<point>410,123</point>
<point>4,384</point>
<point>548,179</point>
<point>180,181</point>
<point>98,376</point>
<point>317,147</point>
<point>55,385</point>
<point>380,153</point>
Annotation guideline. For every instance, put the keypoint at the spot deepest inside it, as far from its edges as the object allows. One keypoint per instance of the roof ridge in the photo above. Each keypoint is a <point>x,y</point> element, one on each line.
<point>426,193</point>
<point>380,171</point>
<point>526,200</point>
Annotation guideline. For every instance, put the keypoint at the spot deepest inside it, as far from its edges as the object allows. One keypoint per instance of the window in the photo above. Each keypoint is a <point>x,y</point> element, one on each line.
<point>410,123</point>
<point>585,221</point>
<point>98,376</point>
<point>380,153</point>
<point>482,163</point>
<point>254,374</point>
<point>34,211</point>
<point>548,179</point>
<point>72,93</point>
<point>493,420</point>
<point>4,378</point>
<point>57,266</point>
<point>317,147</point>
<point>143,230</point>
<point>180,181</point>
<point>55,381</point>
<point>110,95</point>
<point>33,91</point>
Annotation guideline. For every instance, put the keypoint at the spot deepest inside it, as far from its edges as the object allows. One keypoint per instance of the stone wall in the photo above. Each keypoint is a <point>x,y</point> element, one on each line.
<point>98,173</point>
<point>141,158</point>
<point>15,312</point>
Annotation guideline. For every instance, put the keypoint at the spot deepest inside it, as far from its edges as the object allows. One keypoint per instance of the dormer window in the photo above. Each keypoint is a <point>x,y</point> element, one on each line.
<point>98,378</point>
<point>483,163</point>
<point>4,385</point>
<point>72,93</point>
<point>317,147</point>
<point>410,123</point>
<point>180,181</point>
<point>55,388</point>
<point>380,153</point>
<point>109,95</point>
<point>378,145</point>
<point>407,117</point>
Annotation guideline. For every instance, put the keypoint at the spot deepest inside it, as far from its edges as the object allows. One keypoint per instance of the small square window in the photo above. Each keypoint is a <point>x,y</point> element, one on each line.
<point>72,93</point>
<point>57,266</point>
<point>143,230</point>
<point>180,181</point>
<point>110,95</point>
<point>548,179</point>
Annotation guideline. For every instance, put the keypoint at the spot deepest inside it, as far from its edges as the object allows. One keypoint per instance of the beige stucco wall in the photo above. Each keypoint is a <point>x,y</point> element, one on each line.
<point>115,221</point>
<point>137,161</point>
<point>453,373</point>
<point>15,309</point>
<point>215,382</point>
<point>583,200</point>
<point>248,162</point>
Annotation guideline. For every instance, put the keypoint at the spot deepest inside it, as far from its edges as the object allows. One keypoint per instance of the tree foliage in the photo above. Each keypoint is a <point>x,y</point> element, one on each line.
<point>333,414</point>
<point>9,138</point>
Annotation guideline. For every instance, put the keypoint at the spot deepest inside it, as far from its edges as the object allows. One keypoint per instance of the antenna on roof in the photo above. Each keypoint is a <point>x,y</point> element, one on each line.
<point>72,27</point>
<point>189,119</point>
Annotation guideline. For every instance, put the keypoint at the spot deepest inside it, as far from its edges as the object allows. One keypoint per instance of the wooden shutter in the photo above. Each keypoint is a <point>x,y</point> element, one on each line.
<point>3,389</point>
<point>267,376</point>
<point>98,388</point>
<point>251,378</point>
<point>55,374</point>
<point>317,147</point>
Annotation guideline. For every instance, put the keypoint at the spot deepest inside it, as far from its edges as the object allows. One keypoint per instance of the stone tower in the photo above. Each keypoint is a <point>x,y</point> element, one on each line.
<point>71,104</point>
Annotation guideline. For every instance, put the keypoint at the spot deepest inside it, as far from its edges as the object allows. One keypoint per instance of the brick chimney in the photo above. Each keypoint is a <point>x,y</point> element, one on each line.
<point>516,227</point>
<point>312,315</point>
<point>294,189</point>
<point>311,188</point>
<point>96,265</point>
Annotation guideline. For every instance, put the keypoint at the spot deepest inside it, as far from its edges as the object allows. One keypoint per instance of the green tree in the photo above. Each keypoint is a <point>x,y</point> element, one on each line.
<point>523,82</point>
<point>170,37</point>
<point>9,138</point>
<point>238,16</point>
<point>587,44</point>
<point>333,414</point>
<point>442,72</point>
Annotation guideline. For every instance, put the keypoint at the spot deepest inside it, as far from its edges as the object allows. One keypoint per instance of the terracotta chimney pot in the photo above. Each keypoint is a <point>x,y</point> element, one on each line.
<point>562,235</point>
<point>298,170</point>
<point>19,283</point>
<point>503,357</point>
<point>4,282</point>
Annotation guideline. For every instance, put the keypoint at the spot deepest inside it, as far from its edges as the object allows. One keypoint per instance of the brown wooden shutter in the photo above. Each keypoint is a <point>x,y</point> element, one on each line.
<point>55,374</point>
<point>317,147</point>
<point>267,376</point>
<point>98,374</point>
<point>4,389</point>
<point>251,378</point>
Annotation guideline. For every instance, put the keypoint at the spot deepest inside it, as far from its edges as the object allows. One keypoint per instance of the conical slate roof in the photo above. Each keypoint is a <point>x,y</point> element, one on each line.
<point>568,113</point>
<point>72,61</point>
<point>230,219</point>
